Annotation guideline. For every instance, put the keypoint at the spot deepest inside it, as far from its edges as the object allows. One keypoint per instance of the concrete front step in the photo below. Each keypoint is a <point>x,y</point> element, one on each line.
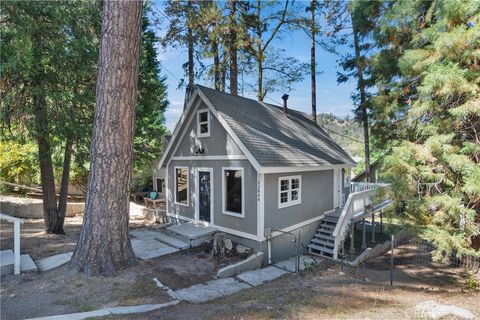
<point>192,233</point>
<point>7,260</point>
<point>160,235</point>
<point>151,248</point>
<point>172,241</point>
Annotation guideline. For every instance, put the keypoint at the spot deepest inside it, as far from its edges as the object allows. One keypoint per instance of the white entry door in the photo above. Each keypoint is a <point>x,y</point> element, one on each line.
<point>337,188</point>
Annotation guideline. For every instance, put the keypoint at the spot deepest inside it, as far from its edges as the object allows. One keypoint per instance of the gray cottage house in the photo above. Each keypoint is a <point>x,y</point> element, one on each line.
<point>263,174</point>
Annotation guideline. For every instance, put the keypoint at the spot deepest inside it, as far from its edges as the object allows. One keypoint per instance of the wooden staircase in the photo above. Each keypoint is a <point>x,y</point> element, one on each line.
<point>323,242</point>
<point>332,230</point>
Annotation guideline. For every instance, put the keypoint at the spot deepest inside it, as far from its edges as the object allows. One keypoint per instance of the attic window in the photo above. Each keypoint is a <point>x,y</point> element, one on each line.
<point>203,123</point>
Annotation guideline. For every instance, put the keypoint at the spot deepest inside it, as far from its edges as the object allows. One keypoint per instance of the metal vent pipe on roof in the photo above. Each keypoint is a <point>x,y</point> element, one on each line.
<point>285,107</point>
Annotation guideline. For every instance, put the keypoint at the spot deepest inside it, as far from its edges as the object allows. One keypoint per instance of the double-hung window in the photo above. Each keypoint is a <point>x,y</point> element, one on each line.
<point>203,123</point>
<point>181,185</point>
<point>233,192</point>
<point>289,191</point>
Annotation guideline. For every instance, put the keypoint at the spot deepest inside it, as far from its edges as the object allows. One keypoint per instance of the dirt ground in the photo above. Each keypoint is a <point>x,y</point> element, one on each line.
<point>54,292</point>
<point>41,245</point>
<point>323,293</point>
<point>327,291</point>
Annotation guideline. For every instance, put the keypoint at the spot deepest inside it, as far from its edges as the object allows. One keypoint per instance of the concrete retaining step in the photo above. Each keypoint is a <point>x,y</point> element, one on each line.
<point>53,262</point>
<point>7,261</point>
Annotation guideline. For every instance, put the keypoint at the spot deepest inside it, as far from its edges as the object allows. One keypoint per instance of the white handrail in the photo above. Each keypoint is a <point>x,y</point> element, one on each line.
<point>355,204</point>
<point>362,186</point>
<point>16,240</point>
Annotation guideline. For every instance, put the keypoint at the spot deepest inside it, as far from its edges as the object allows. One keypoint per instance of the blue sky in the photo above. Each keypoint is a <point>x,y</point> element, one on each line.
<point>331,98</point>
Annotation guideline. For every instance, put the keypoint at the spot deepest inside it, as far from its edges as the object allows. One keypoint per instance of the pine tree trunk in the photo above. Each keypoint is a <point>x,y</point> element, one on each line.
<point>216,65</point>
<point>233,48</point>
<point>259,53</point>
<point>104,246</point>
<point>47,177</point>
<point>191,79</point>
<point>223,72</point>
<point>62,200</point>
<point>363,102</point>
<point>312,63</point>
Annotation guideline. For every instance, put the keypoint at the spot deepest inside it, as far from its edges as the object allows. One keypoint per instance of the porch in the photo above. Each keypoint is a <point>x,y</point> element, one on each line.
<point>366,200</point>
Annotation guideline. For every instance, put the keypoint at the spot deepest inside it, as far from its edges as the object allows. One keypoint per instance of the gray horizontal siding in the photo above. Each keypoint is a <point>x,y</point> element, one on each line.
<point>218,144</point>
<point>317,197</point>
<point>247,224</point>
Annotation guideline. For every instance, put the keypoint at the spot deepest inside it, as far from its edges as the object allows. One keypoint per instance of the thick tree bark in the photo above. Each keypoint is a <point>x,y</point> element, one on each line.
<point>233,48</point>
<point>191,77</point>
<point>313,63</point>
<point>62,199</point>
<point>363,101</point>
<point>104,246</point>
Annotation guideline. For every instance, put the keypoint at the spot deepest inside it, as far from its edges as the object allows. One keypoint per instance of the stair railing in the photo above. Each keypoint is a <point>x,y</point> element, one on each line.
<point>16,240</point>
<point>363,186</point>
<point>355,204</point>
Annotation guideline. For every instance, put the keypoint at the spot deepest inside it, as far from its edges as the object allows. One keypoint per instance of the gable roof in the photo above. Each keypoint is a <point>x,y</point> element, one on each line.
<point>273,139</point>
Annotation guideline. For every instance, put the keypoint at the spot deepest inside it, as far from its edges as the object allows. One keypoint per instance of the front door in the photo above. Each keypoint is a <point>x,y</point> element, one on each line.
<point>204,195</point>
<point>338,188</point>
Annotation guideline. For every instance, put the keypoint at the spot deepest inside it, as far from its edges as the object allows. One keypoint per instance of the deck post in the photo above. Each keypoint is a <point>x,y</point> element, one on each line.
<point>364,236</point>
<point>352,238</point>
<point>373,228</point>
<point>16,247</point>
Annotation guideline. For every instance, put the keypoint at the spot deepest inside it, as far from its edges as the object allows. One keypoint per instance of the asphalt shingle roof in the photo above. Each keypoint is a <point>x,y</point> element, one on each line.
<point>274,139</point>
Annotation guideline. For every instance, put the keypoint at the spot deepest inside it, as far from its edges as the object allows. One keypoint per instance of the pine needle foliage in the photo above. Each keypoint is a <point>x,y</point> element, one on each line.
<point>435,166</point>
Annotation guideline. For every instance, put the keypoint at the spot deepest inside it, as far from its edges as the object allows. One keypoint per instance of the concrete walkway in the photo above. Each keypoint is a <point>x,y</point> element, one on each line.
<point>223,287</point>
<point>109,311</point>
<point>211,290</point>
<point>146,245</point>
<point>199,293</point>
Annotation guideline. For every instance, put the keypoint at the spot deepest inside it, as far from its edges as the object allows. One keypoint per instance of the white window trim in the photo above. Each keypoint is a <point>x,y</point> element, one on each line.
<point>197,192</point>
<point>290,203</point>
<point>176,188</point>
<point>224,211</point>
<point>199,134</point>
